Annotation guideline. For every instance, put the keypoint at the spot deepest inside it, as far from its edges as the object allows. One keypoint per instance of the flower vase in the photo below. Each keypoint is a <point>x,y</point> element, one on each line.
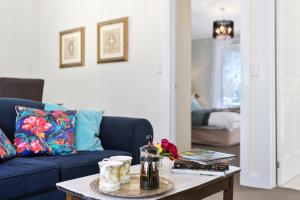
<point>161,166</point>
<point>165,165</point>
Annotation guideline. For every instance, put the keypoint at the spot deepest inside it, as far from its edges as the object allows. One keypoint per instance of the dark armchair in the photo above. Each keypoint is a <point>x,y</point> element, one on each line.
<point>31,89</point>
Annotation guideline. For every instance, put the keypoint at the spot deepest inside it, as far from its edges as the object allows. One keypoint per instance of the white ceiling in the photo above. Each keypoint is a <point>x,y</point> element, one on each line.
<point>204,12</point>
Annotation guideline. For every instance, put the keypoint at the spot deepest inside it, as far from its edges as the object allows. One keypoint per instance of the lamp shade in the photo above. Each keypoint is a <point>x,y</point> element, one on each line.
<point>223,29</point>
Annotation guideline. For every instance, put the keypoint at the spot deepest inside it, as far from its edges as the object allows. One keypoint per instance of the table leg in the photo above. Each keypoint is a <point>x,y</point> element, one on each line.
<point>228,193</point>
<point>68,196</point>
<point>71,197</point>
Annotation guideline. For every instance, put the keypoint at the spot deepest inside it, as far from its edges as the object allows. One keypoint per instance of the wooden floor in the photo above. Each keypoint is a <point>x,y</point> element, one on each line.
<point>246,193</point>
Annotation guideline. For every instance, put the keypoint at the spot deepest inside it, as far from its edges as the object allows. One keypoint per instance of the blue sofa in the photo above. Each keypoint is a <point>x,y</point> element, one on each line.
<point>34,178</point>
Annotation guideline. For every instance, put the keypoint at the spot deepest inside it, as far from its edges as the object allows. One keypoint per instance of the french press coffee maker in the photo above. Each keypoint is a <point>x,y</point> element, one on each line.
<point>149,179</point>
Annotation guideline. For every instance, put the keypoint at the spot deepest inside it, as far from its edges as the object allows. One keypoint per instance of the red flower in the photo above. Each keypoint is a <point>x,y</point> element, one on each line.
<point>20,146</point>
<point>173,151</point>
<point>70,140</point>
<point>18,140</point>
<point>36,125</point>
<point>168,147</point>
<point>36,146</point>
<point>165,144</point>
<point>61,117</point>
<point>2,153</point>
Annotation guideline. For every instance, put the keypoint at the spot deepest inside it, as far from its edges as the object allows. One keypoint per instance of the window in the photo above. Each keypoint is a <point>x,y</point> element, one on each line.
<point>231,75</point>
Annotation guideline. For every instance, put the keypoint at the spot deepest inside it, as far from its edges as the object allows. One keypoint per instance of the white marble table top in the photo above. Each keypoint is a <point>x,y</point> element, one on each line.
<point>81,186</point>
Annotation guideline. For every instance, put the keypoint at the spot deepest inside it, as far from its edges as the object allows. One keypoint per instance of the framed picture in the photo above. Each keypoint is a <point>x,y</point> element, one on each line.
<point>71,47</point>
<point>112,41</point>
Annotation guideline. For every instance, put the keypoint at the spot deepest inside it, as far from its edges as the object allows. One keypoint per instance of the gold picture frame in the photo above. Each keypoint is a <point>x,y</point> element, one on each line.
<point>112,41</point>
<point>72,48</point>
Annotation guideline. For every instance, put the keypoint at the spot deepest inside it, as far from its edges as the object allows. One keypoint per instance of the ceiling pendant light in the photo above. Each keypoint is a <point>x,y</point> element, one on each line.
<point>223,29</point>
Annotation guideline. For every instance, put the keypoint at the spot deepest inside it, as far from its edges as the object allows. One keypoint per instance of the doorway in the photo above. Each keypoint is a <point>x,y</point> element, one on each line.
<point>216,76</point>
<point>258,152</point>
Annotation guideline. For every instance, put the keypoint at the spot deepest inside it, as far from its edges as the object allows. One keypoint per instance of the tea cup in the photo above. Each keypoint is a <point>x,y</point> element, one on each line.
<point>109,175</point>
<point>125,168</point>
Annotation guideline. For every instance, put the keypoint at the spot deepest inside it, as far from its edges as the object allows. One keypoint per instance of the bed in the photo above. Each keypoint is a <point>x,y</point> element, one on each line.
<point>216,127</point>
<point>215,136</point>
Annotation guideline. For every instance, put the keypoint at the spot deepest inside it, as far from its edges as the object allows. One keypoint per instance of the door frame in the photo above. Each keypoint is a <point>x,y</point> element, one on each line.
<point>168,85</point>
<point>265,175</point>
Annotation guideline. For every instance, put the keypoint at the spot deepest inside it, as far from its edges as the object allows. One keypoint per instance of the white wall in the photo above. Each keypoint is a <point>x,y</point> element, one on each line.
<point>130,88</point>
<point>202,61</point>
<point>138,88</point>
<point>19,24</point>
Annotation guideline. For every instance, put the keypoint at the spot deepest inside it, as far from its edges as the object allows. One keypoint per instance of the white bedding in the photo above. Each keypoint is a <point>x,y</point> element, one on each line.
<point>226,120</point>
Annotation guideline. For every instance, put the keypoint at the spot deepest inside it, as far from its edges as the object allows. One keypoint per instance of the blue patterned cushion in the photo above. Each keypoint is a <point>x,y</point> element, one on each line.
<point>6,148</point>
<point>87,128</point>
<point>44,133</point>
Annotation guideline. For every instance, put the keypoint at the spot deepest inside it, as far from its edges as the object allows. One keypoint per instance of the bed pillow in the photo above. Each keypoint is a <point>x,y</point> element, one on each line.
<point>7,150</point>
<point>87,128</point>
<point>195,105</point>
<point>40,132</point>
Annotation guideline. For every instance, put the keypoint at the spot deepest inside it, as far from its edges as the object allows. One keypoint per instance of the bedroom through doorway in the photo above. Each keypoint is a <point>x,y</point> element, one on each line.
<point>216,76</point>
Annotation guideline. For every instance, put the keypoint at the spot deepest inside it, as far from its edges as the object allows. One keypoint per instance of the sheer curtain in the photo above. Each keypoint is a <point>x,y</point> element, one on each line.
<point>226,69</point>
<point>231,64</point>
<point>216,85</point>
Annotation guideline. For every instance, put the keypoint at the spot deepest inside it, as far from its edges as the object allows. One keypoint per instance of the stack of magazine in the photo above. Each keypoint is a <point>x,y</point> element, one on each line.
<point>203,162</point>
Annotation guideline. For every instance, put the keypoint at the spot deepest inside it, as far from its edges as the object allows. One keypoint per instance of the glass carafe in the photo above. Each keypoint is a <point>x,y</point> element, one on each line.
<point>149,166</point>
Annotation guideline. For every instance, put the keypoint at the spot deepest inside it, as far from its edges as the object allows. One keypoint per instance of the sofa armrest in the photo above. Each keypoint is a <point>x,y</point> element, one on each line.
<point>125,134</point>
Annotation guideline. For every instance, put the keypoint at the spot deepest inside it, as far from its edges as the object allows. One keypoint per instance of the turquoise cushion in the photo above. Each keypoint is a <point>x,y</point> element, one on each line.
<point>52,106</point>
<point>87,128</point>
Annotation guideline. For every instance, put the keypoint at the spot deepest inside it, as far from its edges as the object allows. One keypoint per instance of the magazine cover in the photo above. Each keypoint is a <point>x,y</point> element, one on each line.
<point>205,155</point>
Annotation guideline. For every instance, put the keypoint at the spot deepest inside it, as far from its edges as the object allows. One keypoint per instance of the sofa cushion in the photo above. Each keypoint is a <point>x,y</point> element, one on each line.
<point>7,150</point>
<point>22,177</point>
<point>84,163</point>
<point>8,113</point>
<point>87,128</point>
<point>42,132</point>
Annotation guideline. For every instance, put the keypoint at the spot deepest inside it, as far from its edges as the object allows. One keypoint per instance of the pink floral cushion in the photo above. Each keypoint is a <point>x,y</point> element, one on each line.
<point>44,133</point>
